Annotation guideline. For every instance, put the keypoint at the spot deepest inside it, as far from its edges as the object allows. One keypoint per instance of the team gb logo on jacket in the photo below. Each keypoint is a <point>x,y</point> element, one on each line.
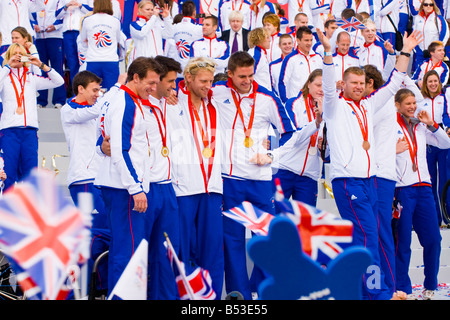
<point>102,39</point>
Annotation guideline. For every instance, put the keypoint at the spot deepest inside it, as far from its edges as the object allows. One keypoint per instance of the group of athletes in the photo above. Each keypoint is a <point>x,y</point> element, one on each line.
<point>181,136</point>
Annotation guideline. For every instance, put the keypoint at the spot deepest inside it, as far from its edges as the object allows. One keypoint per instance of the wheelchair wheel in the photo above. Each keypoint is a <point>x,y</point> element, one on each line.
<point>9,288</point>
<point>445,204</point>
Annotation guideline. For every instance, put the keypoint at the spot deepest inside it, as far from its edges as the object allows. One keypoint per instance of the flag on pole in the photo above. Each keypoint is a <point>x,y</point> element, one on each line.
<point>250,217</point>
<point>194,286</point>
<point>350,26</point>
<point>132,284</point>
<point>43,233</point>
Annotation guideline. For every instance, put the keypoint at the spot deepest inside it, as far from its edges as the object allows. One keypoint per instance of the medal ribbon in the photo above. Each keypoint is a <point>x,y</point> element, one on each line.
<point>212,115</point>
<point>362,123</point>
<point>136,101</point>
<point>237,102</point>
<point>311,115</point>
<point>411,139</point>
<point>22,79</point>
<point>203,133</point>
<point>163,120</point>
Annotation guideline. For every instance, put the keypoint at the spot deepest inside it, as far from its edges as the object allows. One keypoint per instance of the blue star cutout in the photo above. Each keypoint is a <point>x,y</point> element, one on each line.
<point>294,275</point>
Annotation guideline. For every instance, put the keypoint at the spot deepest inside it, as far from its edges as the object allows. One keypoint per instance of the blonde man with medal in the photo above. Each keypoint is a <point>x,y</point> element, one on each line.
<point>349,119</point>
<point>247,111</point>
<point>196,176</point>
<point>19,120</point>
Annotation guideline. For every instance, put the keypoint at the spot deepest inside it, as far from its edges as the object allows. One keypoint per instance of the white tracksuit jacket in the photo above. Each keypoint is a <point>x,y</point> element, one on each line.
<point>33,83</point>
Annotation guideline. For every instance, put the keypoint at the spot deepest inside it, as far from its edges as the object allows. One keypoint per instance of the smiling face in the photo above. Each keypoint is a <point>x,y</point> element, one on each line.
<point>433,84</point>
<point>242,78</point>
<point>407,107</point>
<point>286,45</point>
<point>167,85</point>
<point>89,94</point>
<point>305,43</point>
<point>201,83</point>
<point>146,86</point>
<point>369,33</point>
<point>354,86</point>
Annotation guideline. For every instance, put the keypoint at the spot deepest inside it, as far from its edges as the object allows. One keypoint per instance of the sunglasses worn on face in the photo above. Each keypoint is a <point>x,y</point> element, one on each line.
<point>427,4</point>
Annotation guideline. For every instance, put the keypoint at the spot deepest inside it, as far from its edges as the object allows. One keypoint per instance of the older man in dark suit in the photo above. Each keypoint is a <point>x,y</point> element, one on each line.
<point>236,36</point>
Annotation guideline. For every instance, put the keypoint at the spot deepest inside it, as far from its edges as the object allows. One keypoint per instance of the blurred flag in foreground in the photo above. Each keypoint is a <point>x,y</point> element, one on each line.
<point>195,286</point>
<point>323,235</point>
<point>43,233</point>
<point>132,284</point>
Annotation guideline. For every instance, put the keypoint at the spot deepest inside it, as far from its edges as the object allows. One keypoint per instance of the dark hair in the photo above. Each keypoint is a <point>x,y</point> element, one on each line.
<point>103,6</point>
<point>83,78</point>
<point>214,19</point>
<point>348,13</point>
<point>425,90</point>
<point>402,94</point>
<point>188,8</point>
<point>141,66</point>
<point>240,59</point>
<point>328,22</point>
<point>373,73</point>
<point>301,31</point>
<point>168,65</point>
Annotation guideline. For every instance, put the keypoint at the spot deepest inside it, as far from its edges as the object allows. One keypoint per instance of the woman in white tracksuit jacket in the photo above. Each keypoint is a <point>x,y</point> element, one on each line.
<point>413,191</point>
<point>19,120</point>
<point>149,30</point>
<point>430,22</point>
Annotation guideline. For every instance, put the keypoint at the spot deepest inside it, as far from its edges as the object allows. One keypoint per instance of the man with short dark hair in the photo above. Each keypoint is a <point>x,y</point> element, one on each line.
<point>162,212</point>
<point>210,46</point>
<point>247,111</point>
<point>78,118</point>
<point>298,65</point>
<point>123,177</point>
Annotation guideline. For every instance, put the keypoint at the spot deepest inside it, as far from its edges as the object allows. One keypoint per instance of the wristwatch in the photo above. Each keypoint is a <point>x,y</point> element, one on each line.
<point>270,155</point>
<point>327,54</point>
<point>405,54</point>
<point>42,66</point>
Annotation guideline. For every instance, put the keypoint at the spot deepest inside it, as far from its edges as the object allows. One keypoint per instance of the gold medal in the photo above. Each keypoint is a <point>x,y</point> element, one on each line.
<point>366,145</point>
<point>248,142</point>
<point>207,152</point>
<point>165,151</point>
<point>19,110</point>
<point>149,152</point>
<point>414,167</point>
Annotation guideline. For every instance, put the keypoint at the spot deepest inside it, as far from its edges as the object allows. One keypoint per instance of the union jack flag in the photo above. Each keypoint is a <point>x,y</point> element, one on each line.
<point>251,217</point>
<point>102,39</point>
<point>323,234</point>
<point>195,286</point>
<point>43,233</point>
<point>183,48</point>
<point>350,26</point>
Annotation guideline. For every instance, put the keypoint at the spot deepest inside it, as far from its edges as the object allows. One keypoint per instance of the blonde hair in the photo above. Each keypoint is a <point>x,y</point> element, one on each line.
<point>257,36</point>
<point>435,8</point>
<point>194,65</point>
<point>11,51</point>
<point>144,2</point>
